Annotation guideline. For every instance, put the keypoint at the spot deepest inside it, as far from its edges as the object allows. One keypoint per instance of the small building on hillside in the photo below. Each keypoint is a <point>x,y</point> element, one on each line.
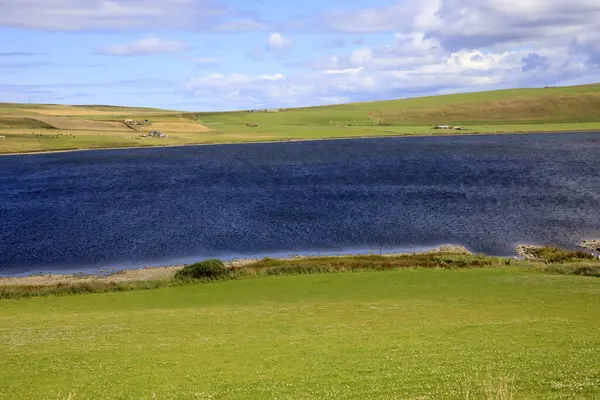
<point>2,137</point>
<point>449,127</point>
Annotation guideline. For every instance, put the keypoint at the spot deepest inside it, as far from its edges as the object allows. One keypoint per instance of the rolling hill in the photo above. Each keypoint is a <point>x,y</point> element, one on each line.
<point>37,127</point>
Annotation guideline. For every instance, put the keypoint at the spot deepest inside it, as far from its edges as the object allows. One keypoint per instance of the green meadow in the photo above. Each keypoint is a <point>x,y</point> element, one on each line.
<point>486,333</point>
<point>35,127</point>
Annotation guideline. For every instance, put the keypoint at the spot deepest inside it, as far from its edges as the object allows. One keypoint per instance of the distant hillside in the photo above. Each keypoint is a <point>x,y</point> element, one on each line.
<point>548,105</point>
<point>513,106</point>
<point>37,127</point>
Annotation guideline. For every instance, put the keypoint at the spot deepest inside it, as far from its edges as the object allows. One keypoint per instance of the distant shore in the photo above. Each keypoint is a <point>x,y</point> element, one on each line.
<point>399,135</point>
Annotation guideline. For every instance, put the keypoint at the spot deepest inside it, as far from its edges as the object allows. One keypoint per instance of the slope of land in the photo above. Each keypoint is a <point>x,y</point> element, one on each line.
<point>29,128</point>
<point>501,333</point>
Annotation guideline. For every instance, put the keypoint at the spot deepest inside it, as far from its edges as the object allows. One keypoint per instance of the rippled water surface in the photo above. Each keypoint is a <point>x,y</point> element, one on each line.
<point>116,208</point>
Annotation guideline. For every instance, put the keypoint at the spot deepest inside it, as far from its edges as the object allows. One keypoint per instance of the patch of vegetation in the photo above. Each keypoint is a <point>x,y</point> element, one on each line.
<point>207,269</point>
<point>271,266</point>
<point>555,255</point>
<point>488,387</point>
<point>211,270</point>
<point>23,123</point>
<point>584,269</point>
<point>87,287</point>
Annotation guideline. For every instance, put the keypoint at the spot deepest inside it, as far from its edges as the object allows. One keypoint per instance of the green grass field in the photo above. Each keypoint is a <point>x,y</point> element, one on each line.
<point>34,127</point>
<point>484,333</point>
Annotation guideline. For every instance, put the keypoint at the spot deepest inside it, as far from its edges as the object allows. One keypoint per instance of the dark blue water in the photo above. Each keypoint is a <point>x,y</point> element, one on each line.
<point>117,208</point>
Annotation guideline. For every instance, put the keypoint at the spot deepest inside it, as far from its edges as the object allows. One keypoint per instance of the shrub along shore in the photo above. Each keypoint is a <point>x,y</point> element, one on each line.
<point>543,259</point>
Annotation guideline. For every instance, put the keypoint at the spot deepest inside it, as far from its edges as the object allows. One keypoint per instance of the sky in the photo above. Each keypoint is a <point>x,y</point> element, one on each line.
<point>211,55</point>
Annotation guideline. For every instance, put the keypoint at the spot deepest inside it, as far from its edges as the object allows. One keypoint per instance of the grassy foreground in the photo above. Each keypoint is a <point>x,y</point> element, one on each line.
<point>33,128</point>
<point>478,333</point>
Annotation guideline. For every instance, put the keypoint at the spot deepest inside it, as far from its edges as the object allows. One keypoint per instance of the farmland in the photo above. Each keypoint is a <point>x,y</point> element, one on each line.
<point>485,333</point>
<point>34,128</point>
<point>424,326</point>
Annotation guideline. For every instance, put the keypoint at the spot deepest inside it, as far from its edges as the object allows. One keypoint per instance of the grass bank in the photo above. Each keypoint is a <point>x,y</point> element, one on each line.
<point>550,260</point>
<point>37,128</point>
<point>477,333</point>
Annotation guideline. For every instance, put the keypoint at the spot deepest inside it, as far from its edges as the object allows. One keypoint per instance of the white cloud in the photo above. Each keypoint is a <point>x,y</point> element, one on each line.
<point>474,23</point>
<point>383,73</point>
<point>149,45</point>
<point>318,87</point>
<point>361,56</point>
<point>404,51</point>
<point>80,15</point>
<point>352,71</point>
<point>277,42</point>
<point>444,46</point>
<point>467,24</point>
<point>276,46</point>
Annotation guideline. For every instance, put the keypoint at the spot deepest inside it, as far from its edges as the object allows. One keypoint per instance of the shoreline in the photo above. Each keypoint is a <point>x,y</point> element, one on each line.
<point>523,252</point>
<point>399,135</point>
<point>168,271</point>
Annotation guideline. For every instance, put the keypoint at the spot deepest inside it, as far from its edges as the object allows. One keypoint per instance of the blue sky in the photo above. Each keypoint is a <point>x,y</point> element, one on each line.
<point>225,54</point>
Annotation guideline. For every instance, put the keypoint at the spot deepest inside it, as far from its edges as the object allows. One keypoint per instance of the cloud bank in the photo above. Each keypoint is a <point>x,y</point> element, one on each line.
<point>432,46</point>
<point>435,46</point>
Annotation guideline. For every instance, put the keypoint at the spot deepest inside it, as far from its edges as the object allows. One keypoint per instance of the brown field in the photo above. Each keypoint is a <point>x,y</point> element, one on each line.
<point>82,124</point>
<point>73,111</point>
<point>177,127</point>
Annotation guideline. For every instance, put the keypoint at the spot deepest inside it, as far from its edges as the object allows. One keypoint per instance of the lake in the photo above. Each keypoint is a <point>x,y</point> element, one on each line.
<point>76,211</point>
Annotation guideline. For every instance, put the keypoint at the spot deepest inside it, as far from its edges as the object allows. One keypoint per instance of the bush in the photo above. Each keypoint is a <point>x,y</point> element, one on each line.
<point>295,269</point>
<point>588,270</point>
<point>451,261</point>
<point>207,269</point>
<point>555,255</point>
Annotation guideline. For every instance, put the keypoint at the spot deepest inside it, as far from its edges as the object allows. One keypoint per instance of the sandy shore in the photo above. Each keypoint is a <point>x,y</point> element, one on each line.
<point>142,274</point>
<point>167,272</point>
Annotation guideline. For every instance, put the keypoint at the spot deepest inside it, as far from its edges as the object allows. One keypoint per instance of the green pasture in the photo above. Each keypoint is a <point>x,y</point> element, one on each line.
<point>503,333</point>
